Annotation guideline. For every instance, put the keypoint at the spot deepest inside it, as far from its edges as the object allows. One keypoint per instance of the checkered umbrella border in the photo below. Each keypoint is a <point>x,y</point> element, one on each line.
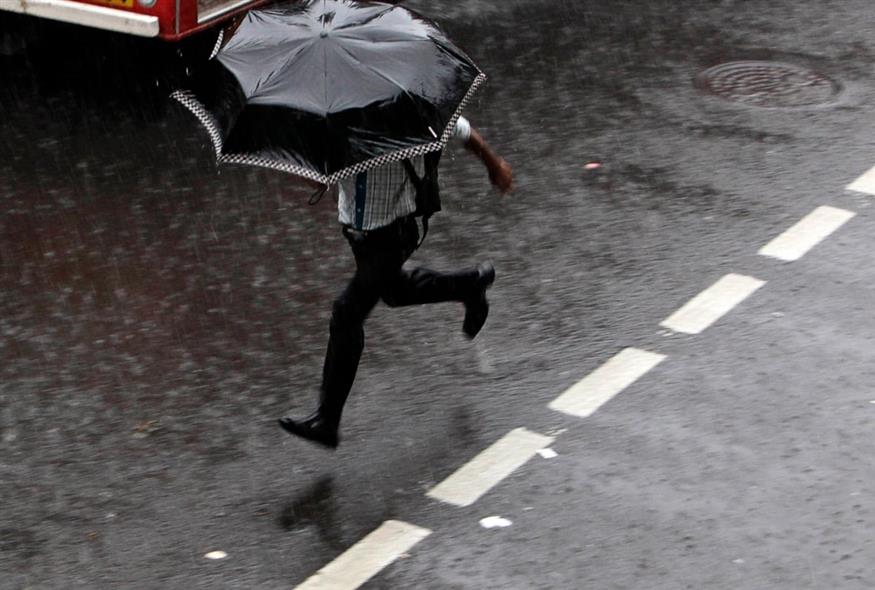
<point>197,108</point>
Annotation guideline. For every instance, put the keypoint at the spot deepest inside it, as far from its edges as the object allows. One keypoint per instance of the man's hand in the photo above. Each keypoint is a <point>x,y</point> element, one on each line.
<point>501,176</point>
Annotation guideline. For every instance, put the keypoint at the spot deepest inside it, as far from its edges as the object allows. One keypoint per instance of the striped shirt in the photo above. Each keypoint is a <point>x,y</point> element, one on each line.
<point>379,196</point>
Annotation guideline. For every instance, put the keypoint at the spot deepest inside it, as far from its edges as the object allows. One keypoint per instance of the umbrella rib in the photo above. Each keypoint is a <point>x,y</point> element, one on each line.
<point>383,41</point>
<point>287,62</point>
<point>367,20</point>
<point>375,71</point>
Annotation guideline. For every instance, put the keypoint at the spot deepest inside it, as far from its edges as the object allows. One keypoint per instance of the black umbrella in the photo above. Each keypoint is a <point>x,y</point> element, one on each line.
<point>329,88</point>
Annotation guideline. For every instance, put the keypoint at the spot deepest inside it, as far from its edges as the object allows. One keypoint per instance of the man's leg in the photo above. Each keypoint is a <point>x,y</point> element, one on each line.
<point>421,285</point>
<point>374,262</point>
<point>346,341</point>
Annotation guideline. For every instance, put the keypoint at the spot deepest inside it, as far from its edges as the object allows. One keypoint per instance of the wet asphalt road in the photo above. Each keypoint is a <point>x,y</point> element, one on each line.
<point>158,315</point>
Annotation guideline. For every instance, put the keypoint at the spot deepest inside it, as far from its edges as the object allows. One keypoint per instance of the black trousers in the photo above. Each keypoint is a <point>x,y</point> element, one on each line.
<point>379,256</point>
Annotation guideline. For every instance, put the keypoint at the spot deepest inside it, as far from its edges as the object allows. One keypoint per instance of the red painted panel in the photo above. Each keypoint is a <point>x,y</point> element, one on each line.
<point>166,12</point>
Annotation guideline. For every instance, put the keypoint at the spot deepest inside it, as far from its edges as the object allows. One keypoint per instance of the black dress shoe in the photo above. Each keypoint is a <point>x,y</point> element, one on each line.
<point>477,308</point>
<point>313,428</point>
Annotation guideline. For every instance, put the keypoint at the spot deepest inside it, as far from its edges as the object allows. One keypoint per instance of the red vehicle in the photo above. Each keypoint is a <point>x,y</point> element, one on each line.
<point>168,19</point>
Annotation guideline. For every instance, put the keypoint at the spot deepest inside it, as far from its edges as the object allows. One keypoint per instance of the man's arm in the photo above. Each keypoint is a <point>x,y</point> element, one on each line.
<point>500,172</point>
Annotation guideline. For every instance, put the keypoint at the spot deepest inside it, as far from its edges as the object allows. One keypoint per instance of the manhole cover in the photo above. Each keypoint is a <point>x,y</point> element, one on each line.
<point>768,84</point>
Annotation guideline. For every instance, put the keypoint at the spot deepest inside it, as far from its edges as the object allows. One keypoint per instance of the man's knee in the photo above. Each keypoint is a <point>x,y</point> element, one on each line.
<point>391,299</point>
<point>393,290</point>
<point>346,316</point>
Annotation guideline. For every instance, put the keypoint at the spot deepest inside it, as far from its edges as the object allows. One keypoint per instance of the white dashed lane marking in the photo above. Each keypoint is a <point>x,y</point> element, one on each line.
<point>864,184</point>
<point>711,304</point>
<point>806,234</point>
<point>587,395</point>
<point>366,558</point>
<point>480,474</point>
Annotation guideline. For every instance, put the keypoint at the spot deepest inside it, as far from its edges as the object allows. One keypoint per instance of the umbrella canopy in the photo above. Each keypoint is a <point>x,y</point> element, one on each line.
<point>329,88</point>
